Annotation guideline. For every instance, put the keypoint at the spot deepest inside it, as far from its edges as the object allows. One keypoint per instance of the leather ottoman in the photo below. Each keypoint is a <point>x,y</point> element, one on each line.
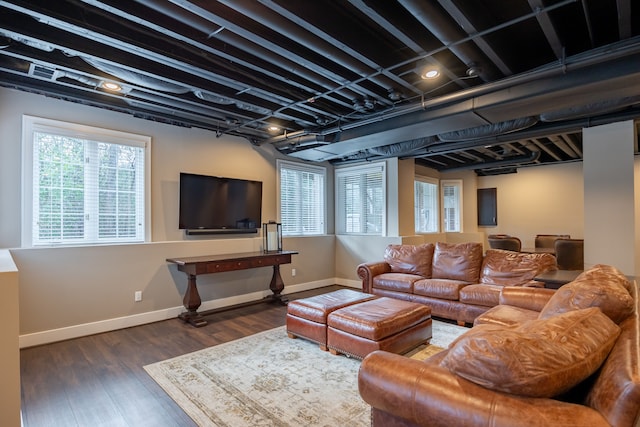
<point>307,317</point>
<point>380,324</point>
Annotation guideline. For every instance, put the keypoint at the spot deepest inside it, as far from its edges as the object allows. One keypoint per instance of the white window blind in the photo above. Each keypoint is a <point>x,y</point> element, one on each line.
<point>302,198</point>
<point>361,200</point>
<point>426,205</point>
<point>87,184</point>
<point>452,205</point>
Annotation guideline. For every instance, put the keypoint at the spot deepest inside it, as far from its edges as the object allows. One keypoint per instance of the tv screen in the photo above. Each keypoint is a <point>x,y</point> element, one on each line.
<point>216,204</point>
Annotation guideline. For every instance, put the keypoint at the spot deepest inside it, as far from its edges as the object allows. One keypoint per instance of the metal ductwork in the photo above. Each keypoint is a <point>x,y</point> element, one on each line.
<point>489,130</point>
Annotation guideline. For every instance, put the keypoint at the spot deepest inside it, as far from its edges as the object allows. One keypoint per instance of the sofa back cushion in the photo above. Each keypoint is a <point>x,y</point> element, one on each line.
<point>597,287</point>
<point>508,268</point>
<point>457,261</point>
<point>540,358</point>
<point>412,259</point>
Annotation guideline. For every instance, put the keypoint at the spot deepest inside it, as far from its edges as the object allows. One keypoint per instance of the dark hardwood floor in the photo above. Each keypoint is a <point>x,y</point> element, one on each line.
<point>99,380</point>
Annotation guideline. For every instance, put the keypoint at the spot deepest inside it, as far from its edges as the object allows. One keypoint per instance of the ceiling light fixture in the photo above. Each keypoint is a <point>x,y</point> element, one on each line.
<point>273,128</point>
<point>429,74</point>
<point>114,87</point>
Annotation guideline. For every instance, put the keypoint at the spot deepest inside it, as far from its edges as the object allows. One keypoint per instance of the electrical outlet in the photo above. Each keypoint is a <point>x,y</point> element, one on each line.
<point>293,271</point>
<point>137,297</point>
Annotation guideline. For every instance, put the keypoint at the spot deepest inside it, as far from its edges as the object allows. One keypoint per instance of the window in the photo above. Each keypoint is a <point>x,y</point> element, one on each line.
<point>361,200</point>
<point>452,205</point>
<point>302,198</point>
<point>83,185</point>
<point>426,205</point>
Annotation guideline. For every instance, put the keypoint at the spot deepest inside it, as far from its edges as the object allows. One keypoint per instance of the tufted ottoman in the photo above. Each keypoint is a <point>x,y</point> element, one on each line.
<point>380,324</point>
<point>307,317</point>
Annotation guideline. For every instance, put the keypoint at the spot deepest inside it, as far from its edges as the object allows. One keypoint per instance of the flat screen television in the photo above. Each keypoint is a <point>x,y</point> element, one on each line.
<point>217,205</point>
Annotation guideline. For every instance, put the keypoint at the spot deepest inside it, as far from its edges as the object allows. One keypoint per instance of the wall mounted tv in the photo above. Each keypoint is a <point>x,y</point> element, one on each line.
<point>217,205</point>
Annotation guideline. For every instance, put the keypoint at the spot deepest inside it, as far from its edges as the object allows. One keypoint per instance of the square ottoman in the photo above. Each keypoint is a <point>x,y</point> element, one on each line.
<point>380,324</point>
<point>307,317</point>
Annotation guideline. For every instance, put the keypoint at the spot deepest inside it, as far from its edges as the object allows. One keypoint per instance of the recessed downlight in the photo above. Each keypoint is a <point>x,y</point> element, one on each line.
<point>430,74</point>
<point>114,87</point>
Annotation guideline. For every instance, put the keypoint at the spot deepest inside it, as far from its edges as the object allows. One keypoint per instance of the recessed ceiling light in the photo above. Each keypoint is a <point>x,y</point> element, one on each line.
<point>274,128</point>
<point>111,86</point>
<point>430,74</point>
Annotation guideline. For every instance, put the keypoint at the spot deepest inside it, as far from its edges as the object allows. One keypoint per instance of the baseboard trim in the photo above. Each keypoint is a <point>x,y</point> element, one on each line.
<point>76,331</point>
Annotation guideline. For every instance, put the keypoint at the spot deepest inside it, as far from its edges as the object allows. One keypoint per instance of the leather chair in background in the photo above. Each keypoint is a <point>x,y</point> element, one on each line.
<point>508,243</point>
<point>549,240</point>
<point>570,254</point>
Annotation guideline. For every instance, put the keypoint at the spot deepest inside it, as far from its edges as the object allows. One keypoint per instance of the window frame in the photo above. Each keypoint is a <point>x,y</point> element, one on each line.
<point>31,124</point>
<point>436,183</point>
<point>313,169</point>
<point>339,173</point>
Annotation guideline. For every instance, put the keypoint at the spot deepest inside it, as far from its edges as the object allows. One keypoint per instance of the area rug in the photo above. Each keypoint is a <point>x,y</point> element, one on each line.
<point>268,379</point>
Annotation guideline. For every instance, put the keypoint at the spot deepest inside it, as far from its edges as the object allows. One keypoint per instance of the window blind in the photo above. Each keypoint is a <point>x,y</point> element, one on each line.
<point>361,200</point>
<point>302,199</point>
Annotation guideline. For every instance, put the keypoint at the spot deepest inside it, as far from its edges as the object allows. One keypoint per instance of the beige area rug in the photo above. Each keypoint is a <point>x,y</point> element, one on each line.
<point>268,379</point>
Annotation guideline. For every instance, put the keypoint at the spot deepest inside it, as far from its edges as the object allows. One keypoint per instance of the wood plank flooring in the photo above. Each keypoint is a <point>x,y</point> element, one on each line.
<point>99,380</point>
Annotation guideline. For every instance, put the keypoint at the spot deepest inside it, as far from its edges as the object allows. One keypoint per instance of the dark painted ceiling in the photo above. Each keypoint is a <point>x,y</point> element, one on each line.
<point>342,79</point>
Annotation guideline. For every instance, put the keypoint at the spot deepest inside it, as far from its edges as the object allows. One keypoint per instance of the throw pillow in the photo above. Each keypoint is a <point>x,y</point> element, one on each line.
<point>412,259</point>
<point>593,288</point>
<point>457,261</point>
<point>540,358</point>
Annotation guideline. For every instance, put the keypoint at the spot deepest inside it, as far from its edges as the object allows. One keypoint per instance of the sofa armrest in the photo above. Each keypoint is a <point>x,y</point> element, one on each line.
<point>427,394</point>
<point>367,271</point>
<point>526,297</point>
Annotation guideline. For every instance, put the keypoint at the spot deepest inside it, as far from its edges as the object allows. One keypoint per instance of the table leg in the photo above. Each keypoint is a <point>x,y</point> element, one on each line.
<point>276,286</point>
<point>191,302</point>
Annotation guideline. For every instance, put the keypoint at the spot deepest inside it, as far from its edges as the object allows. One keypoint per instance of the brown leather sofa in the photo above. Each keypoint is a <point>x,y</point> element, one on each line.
<point>540,358</point>
<point>454,279</point>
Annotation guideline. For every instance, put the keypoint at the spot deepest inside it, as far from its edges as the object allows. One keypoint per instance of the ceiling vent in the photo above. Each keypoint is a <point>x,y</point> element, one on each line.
<point>41,72</point>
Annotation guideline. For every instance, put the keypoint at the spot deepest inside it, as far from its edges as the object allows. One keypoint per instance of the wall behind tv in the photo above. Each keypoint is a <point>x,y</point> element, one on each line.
<point>67,291</point>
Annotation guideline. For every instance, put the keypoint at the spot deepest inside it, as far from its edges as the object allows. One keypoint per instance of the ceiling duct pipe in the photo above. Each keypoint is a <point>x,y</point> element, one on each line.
<point>402,148</point>
<point>489,130</point>
<point>301,140</point>
<point>588,110</point>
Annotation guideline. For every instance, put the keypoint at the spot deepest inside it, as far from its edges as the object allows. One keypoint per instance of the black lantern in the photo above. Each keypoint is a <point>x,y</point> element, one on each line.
<point>272,236</point>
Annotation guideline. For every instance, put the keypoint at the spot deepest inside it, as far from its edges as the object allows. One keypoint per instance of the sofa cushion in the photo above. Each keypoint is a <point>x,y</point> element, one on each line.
<point>541,358</point>
<point>485,295</point>
<point>439,288</point>
<point>399,282</point>
<point>457,261</point>
<point>596,288</point>
<point>413,259</point>
<point>506,315</point>
<point>508,268</point>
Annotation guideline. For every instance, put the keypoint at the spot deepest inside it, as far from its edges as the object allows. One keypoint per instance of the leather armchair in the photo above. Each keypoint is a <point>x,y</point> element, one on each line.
<point>508,243</point>
<point>570,254</point>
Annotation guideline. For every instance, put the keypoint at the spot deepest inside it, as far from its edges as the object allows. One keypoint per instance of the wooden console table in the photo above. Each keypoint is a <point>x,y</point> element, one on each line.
<point>193,266</point>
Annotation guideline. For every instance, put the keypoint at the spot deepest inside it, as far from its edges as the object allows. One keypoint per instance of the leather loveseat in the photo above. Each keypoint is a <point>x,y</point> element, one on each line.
<point>456,280</point>
<point>540,358</point>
